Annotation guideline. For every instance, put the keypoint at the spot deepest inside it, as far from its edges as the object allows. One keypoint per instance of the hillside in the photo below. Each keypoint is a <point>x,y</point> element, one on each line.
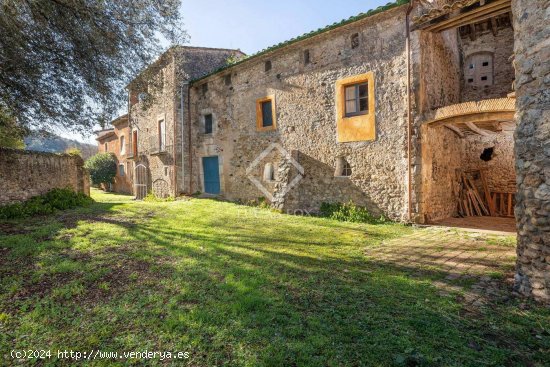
<point>47,142</point>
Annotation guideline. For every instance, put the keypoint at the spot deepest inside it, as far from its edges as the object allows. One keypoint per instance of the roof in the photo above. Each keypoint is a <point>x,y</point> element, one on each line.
<point>102,134</point>
<point>448,8</point>
<point>305,36</point>
<point>120,119</point>
<point>171,49</point>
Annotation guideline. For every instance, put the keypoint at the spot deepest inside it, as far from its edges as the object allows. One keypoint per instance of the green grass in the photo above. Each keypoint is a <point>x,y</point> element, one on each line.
<point>239,286</point>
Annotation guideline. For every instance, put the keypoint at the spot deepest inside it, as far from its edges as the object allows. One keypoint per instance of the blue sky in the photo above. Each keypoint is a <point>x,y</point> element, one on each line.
<point>254,25</point>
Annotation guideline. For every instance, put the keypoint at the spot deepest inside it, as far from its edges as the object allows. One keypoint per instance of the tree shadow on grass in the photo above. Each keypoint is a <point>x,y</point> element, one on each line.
<point>263,296</point>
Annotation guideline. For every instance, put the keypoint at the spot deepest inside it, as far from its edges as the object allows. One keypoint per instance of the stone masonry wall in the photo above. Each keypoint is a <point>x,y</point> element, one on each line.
<point>501,46</point>
<point>25,174</point>
<point>166,170</point>
<point>532,63</point>
<point>499,171</point>
<point>306,118</point>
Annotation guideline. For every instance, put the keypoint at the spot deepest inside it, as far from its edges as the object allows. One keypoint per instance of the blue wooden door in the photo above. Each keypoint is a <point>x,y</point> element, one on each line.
<point>211,175</point>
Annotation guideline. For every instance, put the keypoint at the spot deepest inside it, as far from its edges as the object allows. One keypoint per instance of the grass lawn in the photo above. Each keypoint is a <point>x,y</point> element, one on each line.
<point>240,286</point>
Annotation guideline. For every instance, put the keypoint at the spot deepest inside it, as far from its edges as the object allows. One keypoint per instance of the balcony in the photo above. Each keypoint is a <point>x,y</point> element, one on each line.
<point>486,117</point>
<point>158,147</point>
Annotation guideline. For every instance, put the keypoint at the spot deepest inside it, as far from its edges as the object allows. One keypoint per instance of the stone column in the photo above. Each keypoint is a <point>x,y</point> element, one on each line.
<point>532,146</point>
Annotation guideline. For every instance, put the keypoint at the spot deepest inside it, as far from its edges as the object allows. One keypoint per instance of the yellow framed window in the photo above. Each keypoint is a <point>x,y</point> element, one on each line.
<point>266,118</point>
<point>355,108</point>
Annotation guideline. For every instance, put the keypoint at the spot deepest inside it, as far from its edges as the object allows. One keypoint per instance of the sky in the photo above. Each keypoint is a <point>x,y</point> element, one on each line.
<point>254,25</point>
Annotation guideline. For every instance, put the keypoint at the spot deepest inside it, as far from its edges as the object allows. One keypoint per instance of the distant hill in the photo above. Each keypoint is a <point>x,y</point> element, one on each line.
<point>47,142</point>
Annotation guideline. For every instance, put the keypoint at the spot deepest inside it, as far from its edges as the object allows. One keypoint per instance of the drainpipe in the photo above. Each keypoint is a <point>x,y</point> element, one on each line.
<point>182,137</point>
<point>409,114</point>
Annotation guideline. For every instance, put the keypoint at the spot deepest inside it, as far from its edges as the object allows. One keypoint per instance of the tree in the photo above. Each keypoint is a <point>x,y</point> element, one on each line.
<point>65,63</point>
<point>11,133</point>
<point>102,168</point>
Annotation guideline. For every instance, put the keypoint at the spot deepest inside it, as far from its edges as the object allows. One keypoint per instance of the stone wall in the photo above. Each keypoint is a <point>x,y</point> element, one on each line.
<point>442,152</point>
<point>500,170</point>
<point>501,45</point>
<point>532,63</point>
<point>446,156</point>
<point>306,118</point>
<point>167,170</point>
<point>435,83</point>
<point>25,174</point>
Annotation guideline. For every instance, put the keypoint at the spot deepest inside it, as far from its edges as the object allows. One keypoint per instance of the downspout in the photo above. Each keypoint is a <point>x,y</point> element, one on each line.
<point>182,129</point>
<point>409,113</point>
<point>189,133</point>
<point>174,171</point>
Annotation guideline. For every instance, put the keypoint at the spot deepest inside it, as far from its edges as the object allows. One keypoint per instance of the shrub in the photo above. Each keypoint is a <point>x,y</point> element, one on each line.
<point>56,199</point>
<point>102,168</point>
<point>349,212</point>
<point>73,151</point>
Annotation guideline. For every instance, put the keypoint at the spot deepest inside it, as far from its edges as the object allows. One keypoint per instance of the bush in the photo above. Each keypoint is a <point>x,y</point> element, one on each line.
<point>56,199</point>
<point>349,212</point>
<point>73,151</point>
<point>102,168</point>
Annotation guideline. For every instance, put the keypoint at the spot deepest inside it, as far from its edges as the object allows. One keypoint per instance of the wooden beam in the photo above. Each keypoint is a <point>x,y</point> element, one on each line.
<point>454,129</point>
<point>473,15</point>
<point>474,117</point>
<point>494,27</point>
<point>478,130</point>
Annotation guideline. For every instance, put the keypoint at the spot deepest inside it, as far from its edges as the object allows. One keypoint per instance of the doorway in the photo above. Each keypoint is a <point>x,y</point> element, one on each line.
<point>211,171</point>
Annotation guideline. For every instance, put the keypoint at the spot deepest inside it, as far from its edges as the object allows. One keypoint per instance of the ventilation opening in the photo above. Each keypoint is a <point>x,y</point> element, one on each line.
<point>228,79</point>
<point>343,168</point>
<point>306,57</point>
<point>355,40</point>
<point>487,154</point>
<point>269,172</point>
<point>268,65</point>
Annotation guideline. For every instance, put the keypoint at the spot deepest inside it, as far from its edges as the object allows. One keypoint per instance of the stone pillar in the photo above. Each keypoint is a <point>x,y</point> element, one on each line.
<point>532,146</point>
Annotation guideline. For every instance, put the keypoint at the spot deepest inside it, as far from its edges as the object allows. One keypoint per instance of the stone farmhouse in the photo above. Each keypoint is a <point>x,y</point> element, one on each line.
<point>116,140</point>
<point>397,109</point>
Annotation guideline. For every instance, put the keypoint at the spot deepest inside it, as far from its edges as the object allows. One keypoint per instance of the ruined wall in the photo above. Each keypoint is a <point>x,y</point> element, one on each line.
<point>532,55</point>
<point>499,171</point>
<point>306,120</point>
<point>501,45</point>
<point>442,152</point>
<point>435,83</point>
<point>24,174</point>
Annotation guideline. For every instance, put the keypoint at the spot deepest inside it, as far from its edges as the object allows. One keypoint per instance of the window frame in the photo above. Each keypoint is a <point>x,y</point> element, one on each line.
<point>356,127</point>
<point>122,141</point>
<point>357,99</point>
<point>259,114</point>
<point>211,123</point>
<point>161,122</point>
<point>123,173</point>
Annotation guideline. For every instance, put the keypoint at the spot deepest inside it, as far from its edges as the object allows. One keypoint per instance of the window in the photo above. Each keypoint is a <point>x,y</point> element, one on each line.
<point>306,57</point>
<point>122,146</point>
<point>268,65</point>
<point>269,172</point>
<point>265,114</point>
<point>227,79</point>
<point>355,40</point>
<point>105,147</point>
<point>479,72</point>
<point>208,123</point>
<point>162,135</point>
<point>355,108</point>
<point>204,88</point>
<point>343,168</point>
<point>135,143</point>
<point>357,99</point>
<point>121,170</point>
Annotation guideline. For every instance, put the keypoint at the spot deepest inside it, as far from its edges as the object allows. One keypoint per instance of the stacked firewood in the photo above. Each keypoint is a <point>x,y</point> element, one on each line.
<point>472,202</point>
